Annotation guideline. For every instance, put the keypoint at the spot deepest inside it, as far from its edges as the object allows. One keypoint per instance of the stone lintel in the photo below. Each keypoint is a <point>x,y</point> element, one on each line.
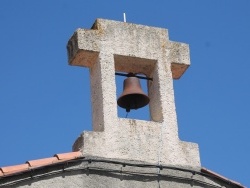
<point>85,45</point>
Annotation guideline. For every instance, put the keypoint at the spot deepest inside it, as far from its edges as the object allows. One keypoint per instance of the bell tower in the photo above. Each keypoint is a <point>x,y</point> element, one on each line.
<point>110,47</point>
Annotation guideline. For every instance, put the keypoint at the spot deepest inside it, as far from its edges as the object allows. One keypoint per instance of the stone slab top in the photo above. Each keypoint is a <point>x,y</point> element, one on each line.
<point>126,39</point>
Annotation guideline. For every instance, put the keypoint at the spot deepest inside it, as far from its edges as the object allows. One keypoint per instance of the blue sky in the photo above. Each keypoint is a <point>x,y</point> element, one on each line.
<point>45,104</point>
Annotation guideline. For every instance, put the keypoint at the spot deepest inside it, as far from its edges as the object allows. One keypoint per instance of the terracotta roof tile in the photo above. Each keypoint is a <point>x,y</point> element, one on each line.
<point>11,170</point>
<point>205,170</point>
<point>42,162</point>
<point>71,155</point>
<point>14,169</point>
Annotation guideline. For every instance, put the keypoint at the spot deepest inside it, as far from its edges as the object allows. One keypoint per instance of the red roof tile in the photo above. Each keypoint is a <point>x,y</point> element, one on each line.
<point>14,169</point>
<point>42,162</point>
<point>220,177</point>
<point>11,170</point>
<point>71,155</point>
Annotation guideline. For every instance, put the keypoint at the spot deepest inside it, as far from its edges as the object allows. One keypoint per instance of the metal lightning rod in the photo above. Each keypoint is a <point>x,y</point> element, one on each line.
<point>124,17</point>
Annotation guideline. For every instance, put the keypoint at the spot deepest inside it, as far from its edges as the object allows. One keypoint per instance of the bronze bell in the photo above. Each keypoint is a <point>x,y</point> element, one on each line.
<point>133,96</point>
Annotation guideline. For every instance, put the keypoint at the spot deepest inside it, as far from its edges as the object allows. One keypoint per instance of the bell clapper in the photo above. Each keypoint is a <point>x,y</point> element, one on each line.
<point>126,115</point>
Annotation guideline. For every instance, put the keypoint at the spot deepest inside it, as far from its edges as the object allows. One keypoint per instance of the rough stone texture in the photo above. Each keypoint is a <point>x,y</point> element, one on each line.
<point>117,46</point>
<point>109,174</point>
